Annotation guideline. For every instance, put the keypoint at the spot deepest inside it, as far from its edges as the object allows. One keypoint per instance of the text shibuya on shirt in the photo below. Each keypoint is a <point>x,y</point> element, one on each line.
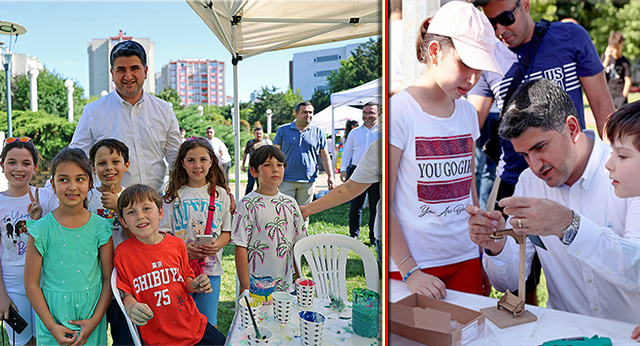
<point>156,278</point>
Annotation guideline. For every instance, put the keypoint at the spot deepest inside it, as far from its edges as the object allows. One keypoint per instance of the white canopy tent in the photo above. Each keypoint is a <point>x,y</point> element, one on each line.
<point>338,115</point>
<point>358,96</point>
<point>250,27</point>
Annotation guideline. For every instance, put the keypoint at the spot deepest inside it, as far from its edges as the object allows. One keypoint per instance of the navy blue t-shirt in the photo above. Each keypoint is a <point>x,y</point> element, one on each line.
<point>565,53</point>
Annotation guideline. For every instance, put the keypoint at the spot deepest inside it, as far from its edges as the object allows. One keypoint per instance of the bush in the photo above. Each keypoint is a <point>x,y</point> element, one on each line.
<point>50,133</point>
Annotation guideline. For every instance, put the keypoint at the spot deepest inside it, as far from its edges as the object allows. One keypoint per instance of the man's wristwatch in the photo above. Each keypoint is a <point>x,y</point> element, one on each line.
<point>570,232</point>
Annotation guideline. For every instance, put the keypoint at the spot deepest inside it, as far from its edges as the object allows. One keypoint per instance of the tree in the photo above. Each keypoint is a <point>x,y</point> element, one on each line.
<point>320,99</point>
<point>50,133</point>
<point>171,96</point>
<point>364,65</point>
<point>282,105</point>
<point>52,94</point>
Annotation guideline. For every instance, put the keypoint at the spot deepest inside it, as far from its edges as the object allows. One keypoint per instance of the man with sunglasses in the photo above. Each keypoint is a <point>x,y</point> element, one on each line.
<point>566,56</point>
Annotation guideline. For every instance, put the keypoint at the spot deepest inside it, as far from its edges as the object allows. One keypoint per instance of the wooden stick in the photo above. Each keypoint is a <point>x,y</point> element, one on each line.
<point>521,272</point>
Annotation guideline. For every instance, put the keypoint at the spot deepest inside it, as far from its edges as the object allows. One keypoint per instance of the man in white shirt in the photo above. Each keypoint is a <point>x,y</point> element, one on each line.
<point>146,124</point>
<point>221,151</point>
<point>565,202</point>
<point>357,143</point>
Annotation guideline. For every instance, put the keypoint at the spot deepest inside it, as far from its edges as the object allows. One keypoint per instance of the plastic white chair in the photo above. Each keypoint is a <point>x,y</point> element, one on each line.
<point>327,255</point>
<point>133,329</point>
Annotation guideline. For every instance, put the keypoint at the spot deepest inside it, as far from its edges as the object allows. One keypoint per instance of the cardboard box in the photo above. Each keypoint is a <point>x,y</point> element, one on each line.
<point>428,320</point>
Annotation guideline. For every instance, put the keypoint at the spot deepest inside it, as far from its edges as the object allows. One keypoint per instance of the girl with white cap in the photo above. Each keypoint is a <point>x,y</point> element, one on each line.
<point>431,155</point>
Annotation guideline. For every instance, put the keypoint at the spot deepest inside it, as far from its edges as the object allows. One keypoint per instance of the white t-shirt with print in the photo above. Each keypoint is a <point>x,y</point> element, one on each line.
<point>187,216</point>
<point>434,179</point>
<point>94,205</point>
<point>13,228</point>
<point>269,226</point>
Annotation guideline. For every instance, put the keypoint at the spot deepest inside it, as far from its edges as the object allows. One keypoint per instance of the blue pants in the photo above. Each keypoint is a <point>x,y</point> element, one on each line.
<point>207,303</point>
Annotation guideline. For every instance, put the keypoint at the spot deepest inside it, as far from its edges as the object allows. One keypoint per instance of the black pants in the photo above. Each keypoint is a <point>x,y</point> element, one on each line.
<point>250,181</point>
<point>119,328</point>
<point>506,190</point>
<point>355,209</point>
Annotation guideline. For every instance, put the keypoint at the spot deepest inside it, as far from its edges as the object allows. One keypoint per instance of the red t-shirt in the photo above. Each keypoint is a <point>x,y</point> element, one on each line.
<point>155,275</point>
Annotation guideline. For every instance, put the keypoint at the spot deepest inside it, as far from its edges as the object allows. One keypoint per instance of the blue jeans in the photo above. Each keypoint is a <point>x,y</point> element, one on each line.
<point>207,303</point>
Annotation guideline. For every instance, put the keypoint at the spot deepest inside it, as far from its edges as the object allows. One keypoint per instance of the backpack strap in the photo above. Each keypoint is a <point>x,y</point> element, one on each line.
<point>212,209</point>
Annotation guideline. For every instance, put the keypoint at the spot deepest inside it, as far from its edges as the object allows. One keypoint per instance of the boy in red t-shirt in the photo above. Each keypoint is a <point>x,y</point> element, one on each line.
<point>155,277</point>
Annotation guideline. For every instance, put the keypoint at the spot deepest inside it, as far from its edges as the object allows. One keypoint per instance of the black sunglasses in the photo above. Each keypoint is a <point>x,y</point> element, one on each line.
<point>505,18</point>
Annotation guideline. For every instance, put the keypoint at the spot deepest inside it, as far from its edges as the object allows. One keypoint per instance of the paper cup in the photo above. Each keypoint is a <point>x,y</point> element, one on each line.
<point>265,332</point>
<point>256,308</point>
<point>311,327</point>
<point>282,306</point>
<point>305,290</point>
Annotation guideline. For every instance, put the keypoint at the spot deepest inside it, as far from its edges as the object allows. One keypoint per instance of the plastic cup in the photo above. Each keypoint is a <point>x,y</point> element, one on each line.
<point>365,310</point>
<point>311,327</point>
<point>282,306</point>
<point>256,308</point>
<point>265,333</point>
<point>305,290</point>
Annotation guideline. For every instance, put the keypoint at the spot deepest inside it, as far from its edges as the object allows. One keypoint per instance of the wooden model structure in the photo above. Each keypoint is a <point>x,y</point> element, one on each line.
<point>513,312</point>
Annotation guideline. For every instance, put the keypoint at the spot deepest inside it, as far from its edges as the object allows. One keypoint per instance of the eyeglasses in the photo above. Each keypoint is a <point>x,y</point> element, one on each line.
<point>21,139</point>
<point>505,18</point>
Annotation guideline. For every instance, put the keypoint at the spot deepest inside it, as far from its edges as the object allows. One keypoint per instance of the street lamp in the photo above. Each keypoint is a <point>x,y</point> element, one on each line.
<point>11,29</point>
<point>269,112</point>
<point>69,85</point>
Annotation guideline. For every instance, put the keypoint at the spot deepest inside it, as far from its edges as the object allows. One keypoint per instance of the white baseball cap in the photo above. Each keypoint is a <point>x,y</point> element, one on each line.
<point>471,33</point>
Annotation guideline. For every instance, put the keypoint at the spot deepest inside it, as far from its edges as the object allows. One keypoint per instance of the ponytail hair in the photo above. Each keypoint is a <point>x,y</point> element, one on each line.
<point>424,38</point>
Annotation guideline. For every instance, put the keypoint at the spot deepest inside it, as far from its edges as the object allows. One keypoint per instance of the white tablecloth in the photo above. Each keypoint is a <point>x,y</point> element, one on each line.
<point>551,324</point>
<point>337,331</point>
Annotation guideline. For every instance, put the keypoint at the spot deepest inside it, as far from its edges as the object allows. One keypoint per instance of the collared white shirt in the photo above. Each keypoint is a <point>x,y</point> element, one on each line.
<point>598,274</point>
<point>149,128</point>
<point>358,142</point>
<point>217,144</point>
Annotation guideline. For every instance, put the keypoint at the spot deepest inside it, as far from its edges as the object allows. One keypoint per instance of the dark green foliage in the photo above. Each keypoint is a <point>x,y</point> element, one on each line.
<point>320,99</point>
<point>364,65</point>
<point>52,94</point>
<point>50,133</point>
<point>171,96</point>
<point>282,105</point>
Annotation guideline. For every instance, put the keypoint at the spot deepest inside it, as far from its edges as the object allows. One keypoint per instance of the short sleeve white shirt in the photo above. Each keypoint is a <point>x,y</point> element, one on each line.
<point>433,186</point>
<point>368,172</point>
<point>358,142</point>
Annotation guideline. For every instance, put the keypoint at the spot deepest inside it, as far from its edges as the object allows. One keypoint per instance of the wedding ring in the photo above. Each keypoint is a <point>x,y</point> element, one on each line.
<point>520,222</point>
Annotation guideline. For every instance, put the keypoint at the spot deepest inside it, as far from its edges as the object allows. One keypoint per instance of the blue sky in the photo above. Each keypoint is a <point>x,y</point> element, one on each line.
<point>58,33</point>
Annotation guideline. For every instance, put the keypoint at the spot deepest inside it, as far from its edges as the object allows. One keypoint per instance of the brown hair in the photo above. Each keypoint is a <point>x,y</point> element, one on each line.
<point>137,193</point>
<point>179,177</point>
<point>76,156</point>
<point>625,122</point>
<point>424,38</point>
<point>615,38</point>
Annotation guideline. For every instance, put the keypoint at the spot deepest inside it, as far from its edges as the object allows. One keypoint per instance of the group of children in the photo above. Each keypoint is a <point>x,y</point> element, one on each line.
<point>60,264</point>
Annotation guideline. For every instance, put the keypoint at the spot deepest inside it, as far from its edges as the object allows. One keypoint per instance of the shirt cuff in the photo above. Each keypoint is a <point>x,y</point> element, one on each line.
<point>586,239</point>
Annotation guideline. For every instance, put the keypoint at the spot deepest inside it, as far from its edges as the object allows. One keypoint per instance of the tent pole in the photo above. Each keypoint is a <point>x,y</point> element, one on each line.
<point>236,128</point>
<point>333,138</point>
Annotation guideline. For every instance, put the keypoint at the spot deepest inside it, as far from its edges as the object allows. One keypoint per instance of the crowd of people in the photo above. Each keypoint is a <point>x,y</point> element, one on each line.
<point>559,183</point>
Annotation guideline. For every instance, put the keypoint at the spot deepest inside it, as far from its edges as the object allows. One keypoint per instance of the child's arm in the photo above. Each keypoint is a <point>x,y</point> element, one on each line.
<point>242,267</point>
<point>32,268</point>
<point>201,284</point>
<point>110,198</point>
<point>5,300</point>
<point>105,252</point>
<point>139,313</point>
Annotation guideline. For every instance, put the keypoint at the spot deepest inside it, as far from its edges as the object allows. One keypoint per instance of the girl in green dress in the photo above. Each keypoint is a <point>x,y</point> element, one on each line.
<point>69,260</point>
